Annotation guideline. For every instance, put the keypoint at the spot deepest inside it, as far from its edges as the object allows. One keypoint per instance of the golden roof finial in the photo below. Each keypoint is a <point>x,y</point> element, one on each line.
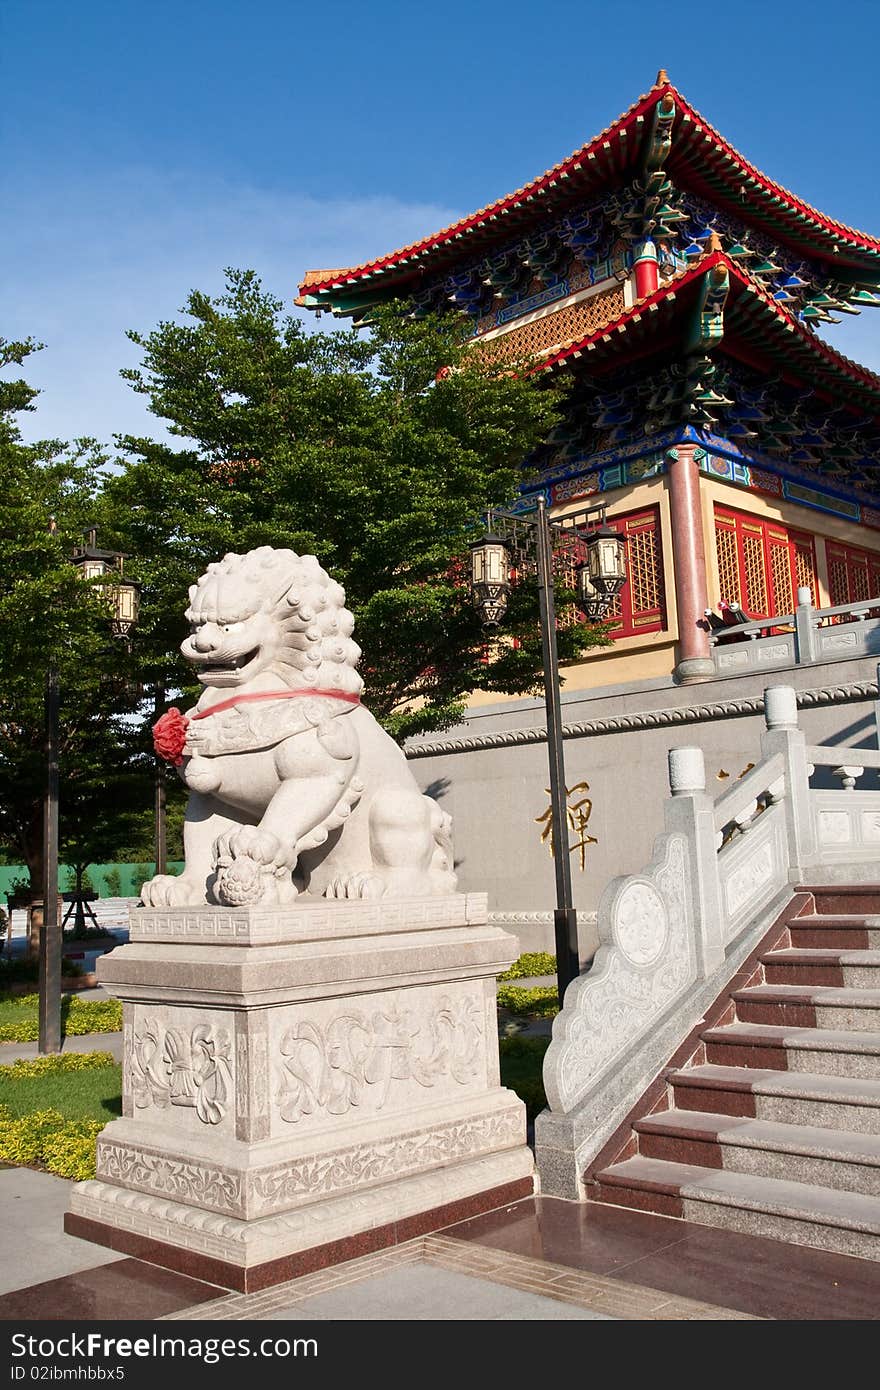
<point>714,242</point>
<point>662,76</point>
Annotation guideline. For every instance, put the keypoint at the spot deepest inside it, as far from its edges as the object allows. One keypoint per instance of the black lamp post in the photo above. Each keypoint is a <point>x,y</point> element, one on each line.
<point>600,578</point>
<point>122,598</point>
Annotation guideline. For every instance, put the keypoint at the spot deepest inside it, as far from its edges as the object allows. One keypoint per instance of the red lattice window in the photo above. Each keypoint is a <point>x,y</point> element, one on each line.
<point>853,575</point>
<point>641,605</point>
<point>805,564</point>
<point>761,564</point>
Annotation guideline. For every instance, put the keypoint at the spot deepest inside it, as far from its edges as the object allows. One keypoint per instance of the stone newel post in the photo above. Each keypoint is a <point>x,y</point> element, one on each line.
<point>783,736</point>
<point>691,811</point>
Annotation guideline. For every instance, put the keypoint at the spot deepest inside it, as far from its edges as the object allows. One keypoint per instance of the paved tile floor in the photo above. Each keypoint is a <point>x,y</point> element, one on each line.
<point>538,1259</point>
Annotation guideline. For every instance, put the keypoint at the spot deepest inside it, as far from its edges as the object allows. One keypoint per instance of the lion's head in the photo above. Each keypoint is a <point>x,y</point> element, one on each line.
<point>271,610</point>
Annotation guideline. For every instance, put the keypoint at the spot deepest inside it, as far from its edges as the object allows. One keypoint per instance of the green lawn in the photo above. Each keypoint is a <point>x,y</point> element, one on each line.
<point>79,1092</point>
<point>52,1110</point>
<point>19,1020</point>
<point>521,1069</point>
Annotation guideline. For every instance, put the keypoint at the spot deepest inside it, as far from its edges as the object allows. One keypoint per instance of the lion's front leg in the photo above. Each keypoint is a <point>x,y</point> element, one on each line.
<point>205,820</point>
<point>255,863</point>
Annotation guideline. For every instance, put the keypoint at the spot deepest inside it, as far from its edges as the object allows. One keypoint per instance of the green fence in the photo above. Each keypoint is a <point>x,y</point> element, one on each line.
<point>107,880</point>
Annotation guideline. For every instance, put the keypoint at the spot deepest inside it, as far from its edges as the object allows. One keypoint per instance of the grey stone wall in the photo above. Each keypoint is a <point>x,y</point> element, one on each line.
<point>490,772</point>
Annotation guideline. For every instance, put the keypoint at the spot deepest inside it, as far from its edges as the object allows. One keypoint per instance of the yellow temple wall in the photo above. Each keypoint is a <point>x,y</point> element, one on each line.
<point>655,654</point>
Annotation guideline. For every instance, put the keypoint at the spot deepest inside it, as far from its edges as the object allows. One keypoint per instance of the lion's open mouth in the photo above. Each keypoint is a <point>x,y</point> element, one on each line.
<point>229,663</point>
<point>226,669</point>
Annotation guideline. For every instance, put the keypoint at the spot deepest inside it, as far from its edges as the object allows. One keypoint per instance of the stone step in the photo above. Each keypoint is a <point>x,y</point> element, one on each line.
<point>800,1213</point>
<point>835,1102</point>
<point>844,897</point>
<point>852,933</point>
<point>831,1051</point>
<point>802,1007</point>
<point>791,966</point>
<point>797,1152</point>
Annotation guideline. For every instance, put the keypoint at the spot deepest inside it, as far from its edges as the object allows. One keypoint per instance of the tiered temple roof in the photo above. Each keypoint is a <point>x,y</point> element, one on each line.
<point>720,339</point>
<point>661,131</point>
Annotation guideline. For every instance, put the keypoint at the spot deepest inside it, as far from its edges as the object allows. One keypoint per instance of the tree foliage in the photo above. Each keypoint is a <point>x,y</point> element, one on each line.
<point>50,616</point>
<point>377,452</point>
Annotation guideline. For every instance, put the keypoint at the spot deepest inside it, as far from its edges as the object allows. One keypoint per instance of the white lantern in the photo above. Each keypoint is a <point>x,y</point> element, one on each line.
<point>606,561</point>
<point>123,596</point>
<point>490,578</point>
<point>593,604</point>
<point>124,600</point>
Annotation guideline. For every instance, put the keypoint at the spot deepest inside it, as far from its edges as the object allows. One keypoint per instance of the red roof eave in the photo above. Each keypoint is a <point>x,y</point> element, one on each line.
<point>338,280</point>
<point>853,370</point>
<point>776,190</point>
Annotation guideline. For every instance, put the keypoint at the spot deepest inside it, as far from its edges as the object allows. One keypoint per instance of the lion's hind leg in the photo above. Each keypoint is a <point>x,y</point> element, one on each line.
<point>406,829</point>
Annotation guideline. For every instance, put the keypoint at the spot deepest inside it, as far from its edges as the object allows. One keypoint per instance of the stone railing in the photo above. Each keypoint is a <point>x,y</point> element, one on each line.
<point>672,936</point>
<point>807,635</point>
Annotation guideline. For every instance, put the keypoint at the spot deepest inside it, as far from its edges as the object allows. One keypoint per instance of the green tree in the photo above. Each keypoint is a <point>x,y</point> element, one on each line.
<point>50,615</point>
<point>377,452</point>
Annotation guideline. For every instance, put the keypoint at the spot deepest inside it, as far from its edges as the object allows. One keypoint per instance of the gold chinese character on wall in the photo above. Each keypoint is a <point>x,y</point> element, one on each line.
<point>577,814</point>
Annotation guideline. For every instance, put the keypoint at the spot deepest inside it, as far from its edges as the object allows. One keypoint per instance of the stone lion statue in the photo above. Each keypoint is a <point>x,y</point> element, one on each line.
<point>294,787</point>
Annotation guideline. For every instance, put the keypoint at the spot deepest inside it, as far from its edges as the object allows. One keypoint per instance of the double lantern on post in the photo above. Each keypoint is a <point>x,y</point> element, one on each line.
<point>122,598</point>
<point>600,576</point>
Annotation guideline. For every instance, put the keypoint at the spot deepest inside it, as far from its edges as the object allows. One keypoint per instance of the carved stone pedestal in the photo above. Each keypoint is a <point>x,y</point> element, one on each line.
<point>302,1085</point>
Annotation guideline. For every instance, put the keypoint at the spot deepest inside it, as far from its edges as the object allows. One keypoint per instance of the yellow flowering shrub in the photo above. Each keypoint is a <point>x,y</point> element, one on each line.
<point>45,1139</point>
<point>68,1061</point>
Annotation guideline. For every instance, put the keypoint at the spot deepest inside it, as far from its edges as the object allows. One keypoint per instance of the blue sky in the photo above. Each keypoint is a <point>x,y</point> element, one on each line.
<point>147,146</point>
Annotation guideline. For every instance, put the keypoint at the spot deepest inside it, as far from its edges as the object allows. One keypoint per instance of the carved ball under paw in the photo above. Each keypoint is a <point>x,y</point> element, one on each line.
<point>244,883</point>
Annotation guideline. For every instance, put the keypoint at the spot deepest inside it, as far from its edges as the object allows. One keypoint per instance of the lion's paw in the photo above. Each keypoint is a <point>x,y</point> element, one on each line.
<point>250,842</point>
<point>168,890</point>
<point>356,886</point>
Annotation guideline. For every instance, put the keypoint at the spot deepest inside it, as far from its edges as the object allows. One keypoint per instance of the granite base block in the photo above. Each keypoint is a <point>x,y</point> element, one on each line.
<point>301,1078</point>
<point>248,1245</point>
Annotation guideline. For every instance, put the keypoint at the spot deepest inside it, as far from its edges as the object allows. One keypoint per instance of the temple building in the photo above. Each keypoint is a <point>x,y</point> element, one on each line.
<point>715,1058</point>
<point>682,290</point>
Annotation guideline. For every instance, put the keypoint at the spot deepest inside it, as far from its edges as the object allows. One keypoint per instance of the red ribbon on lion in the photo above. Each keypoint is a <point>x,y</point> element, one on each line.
<point>169,732</point>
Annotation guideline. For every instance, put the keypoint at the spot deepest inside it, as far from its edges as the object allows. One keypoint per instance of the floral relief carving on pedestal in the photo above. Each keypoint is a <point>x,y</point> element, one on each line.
<point>363,1165</point>
<point>185,1181</point>
<point>183,1067</point>
<point>337,1066</point>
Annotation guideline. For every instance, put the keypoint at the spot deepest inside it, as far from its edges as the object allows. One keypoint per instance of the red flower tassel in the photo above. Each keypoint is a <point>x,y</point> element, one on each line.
<point>169,736</point>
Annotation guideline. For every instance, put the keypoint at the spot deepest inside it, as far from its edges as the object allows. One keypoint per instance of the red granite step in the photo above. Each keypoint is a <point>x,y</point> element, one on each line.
<point>845,897</point>
<point>801,1213</point>
<point>797,1152</point>
<point>803,1006</point>
<point>838,1102</point>
<point>852,933</point>
<point>830,1051</point>
<point>790,966</point>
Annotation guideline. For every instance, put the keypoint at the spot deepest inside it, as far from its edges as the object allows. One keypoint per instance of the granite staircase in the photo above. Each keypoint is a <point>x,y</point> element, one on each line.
<point>768,1119</point>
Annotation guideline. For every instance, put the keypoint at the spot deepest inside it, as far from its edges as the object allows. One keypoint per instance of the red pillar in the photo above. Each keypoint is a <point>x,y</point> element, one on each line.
<point>689,565</point>
<point>646,269</point>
